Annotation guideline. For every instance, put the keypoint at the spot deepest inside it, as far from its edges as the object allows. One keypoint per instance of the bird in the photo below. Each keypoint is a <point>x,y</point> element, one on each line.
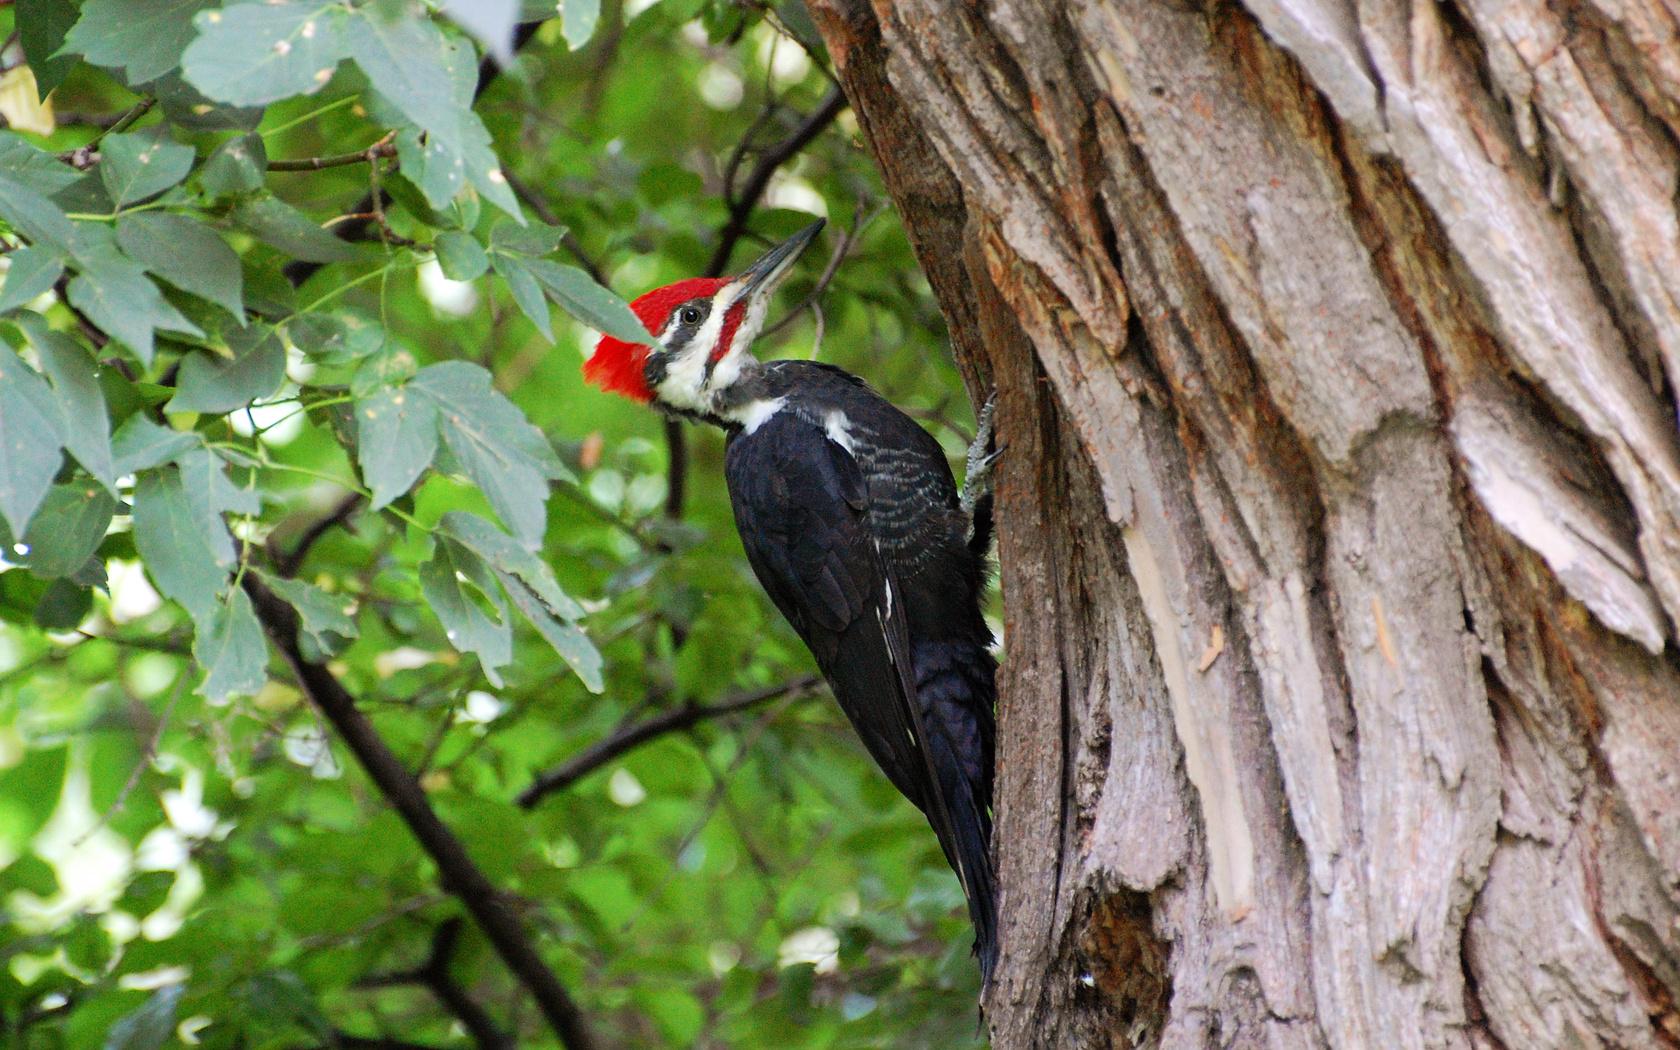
<point>853,523</point>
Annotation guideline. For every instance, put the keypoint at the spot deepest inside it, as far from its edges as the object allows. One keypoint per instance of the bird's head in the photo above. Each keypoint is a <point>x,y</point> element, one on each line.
<point>700,330</point>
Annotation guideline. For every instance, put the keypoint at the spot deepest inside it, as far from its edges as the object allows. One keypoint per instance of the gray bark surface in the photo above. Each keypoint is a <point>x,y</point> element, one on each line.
<point>1336,347</point>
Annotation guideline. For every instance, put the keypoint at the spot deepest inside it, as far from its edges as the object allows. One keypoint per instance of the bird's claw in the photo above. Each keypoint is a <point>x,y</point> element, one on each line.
<point>977,476</point>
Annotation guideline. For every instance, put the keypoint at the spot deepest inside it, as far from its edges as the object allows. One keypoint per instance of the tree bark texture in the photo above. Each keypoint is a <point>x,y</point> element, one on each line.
<point>1336,347</point>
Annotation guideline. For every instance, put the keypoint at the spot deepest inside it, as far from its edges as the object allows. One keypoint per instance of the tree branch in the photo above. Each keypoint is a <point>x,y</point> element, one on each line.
<point>434,976</point>
<point>740,213</point>
<point>385,147</point>
<point>629,737</point>
<point>460,876</point>
<point>289,562</point>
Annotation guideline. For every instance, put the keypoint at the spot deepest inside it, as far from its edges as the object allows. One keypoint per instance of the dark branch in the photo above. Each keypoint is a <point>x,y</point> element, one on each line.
<point>434,976</point>
<point>740,213</point>
<point>629,737</point>
<point>289,562</point>
<point>568,240</point>
<point>460,876</point>
<point>346,1041</point>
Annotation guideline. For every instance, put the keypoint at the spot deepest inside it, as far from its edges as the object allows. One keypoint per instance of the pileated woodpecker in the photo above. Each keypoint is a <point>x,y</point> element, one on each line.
<point>853,524</point>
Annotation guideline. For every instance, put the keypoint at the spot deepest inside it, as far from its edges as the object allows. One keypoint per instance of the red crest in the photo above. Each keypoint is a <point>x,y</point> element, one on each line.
<point>622,367</point>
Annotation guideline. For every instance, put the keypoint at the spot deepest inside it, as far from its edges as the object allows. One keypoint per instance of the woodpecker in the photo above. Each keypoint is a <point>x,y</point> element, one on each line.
<point>852,522</point>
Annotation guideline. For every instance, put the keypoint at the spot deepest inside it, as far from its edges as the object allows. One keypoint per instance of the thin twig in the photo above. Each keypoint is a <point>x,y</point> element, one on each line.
<point>848,238</point>
<point>288,563</point>
<point>568,240</point>
<point>740,213</point>
<point>385,147</point>
<point>459,874</point>
<point>629,737</point>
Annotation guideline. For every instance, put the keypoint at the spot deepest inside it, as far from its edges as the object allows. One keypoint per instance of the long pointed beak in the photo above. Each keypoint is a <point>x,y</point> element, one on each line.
<point>762,277</point>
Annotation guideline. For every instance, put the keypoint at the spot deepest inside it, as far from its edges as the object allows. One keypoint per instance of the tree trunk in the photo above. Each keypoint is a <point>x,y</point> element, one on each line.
<point>1335,347</point>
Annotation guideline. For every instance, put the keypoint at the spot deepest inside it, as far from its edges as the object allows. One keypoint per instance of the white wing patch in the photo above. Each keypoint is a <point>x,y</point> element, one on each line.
<point>839,429</point>
<point>755,414</point>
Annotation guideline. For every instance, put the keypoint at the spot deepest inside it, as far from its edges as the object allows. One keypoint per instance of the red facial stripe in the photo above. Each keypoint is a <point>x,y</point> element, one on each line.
<point>731,322</point>
<point>621,367</point>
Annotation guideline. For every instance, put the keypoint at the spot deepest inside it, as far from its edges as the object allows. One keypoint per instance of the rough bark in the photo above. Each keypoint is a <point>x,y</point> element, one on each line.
<point>1336,347</point>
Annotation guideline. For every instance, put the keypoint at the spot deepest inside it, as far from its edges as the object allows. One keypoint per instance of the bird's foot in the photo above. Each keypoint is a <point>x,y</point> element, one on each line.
<point>977,477</point>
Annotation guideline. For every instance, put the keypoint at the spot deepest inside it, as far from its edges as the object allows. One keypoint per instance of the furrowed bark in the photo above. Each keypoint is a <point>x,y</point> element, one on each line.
<point>1340,517</point>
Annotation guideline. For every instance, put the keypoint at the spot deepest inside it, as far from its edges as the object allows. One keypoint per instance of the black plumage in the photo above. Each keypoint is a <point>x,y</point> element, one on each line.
<point>851,520</point>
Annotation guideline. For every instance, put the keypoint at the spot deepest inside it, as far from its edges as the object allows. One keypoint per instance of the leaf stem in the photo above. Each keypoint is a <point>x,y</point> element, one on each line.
<point>311,115</point>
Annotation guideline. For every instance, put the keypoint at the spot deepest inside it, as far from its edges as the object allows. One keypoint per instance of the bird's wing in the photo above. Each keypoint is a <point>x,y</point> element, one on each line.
<point>802,507</point>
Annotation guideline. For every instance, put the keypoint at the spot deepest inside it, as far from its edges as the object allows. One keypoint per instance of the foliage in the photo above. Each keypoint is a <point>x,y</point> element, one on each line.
<point>212,387</point>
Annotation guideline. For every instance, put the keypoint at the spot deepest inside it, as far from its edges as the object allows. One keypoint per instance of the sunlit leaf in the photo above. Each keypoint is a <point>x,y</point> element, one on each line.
<point>144,37</point>
<point>454,584</point>
<point>31,440</point>
<point>68,527</point>
<point>135,166</point>
<point>396,438</point>
<point>231,649</point>
<point>253,54</point>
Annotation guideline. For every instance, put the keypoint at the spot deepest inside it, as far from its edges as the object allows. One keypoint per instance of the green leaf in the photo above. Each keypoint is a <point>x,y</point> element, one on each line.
<point>115,293</point>
<point>504,455</point>
<point>408,61</point>
<point>253,54</point>
<point>567,639</point>
<point>143,37</point>
<point>325,617</point>
<point>32,271</point>
<point>190,109</point>
<point>236,166</point>
<point>67,528</point>
<point>577,19</point>
<point>75,377</point>
<point>140,444</point>
<point>186,557</point>
<point>213,384</point>
<point>448,582</point>
<point>577,293</point>
<point>527,291</point>
<point>31,440</point>
<point>35,168</point>
<point>433,169</point>
<point>430,81</point>
<point>336,338</point>
<point>460,256</point>
<point>187,254</point>
<point>507,557</point>
<point>41,27</point>
<point>33,215</point>
<point>534,238</point>
<point>283,226</point>
<point>138,165</point>
<point>231,649</point>
<point>396,439</point>
<point>209,489</point>
<point>149,1027</point>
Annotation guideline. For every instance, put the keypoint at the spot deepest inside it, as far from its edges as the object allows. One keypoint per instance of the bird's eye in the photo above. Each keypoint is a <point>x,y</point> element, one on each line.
<point>689,315</point>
